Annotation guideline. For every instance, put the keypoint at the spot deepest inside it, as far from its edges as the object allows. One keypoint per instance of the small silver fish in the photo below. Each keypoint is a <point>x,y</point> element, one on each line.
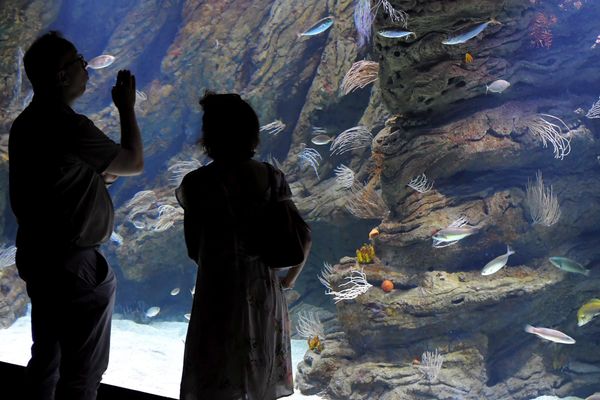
<point>152,312</point>
<point>396,34</point>
<point>138,224</point>
<point>102,61</point>
<point>497,263</point>
<point>566,264</point>
<point>187,316</point>
<point>498,86</point>
<point>319,27</point>
<point>193,290</point>
<point>175,292</point>
<point>550,334</point>
<point>462,38</point>
<point>321,139</point>
<point>454,234</point>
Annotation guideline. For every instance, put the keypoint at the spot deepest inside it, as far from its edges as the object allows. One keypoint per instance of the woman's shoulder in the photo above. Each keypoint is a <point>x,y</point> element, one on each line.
<point>197,175</point>
<point>191,183</point>
<point>279,183</point>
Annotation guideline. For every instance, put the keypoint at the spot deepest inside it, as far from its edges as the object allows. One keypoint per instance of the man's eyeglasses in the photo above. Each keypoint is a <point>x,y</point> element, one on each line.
<point>80,59</point>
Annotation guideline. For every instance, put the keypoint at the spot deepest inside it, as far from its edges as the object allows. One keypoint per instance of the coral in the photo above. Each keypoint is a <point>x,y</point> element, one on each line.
<point>354,138</point>
<point>540,32</point>
<point>364,16</point>
<point>315,344</point>
<point>431,365</point>
<point>311,157</point>
<point>363,20</point>
<point>357,285</point>
<point>366,254</point>
<point>360,75</point>
<point>7,256</point>
<point>366,203</point>
<point>273,128</point>
<point>551,132</point>
<point>542,203</point>
<point>168,215</point>
<point>309,325</point>
<point>344,177</point>
<point>326,274</point>
<point>181,169</point>
<point>387,285</point>
<point>420,184</point>
<point>594,111</point>
<point>397,16</point>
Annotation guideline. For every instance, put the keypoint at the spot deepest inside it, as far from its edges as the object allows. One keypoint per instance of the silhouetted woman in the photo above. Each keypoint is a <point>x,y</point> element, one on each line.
<point>238,341</point>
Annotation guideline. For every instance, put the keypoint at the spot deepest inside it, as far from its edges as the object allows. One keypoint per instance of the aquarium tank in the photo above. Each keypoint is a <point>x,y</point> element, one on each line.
<point>446,154</point>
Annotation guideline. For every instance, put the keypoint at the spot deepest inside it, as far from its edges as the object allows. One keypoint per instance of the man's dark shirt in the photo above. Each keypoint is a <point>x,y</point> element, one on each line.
<point>56,157</point>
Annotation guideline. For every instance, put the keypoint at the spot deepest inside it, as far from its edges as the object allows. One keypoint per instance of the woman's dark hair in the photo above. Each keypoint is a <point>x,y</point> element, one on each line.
<point>44,57</point>
<point>230,128</point>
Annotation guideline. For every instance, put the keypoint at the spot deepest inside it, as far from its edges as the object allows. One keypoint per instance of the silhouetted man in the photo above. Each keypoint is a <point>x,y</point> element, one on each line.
<point>59,164</point>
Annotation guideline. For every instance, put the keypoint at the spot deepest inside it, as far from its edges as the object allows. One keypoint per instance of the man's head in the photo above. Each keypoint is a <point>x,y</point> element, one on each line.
<point>54,67</point>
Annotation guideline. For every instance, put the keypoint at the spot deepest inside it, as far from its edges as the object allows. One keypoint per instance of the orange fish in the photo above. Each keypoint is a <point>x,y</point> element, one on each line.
<point>374,233</point>
<point>468,58</point>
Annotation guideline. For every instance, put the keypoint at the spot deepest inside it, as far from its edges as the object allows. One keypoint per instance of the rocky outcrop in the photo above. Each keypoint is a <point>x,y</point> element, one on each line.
<point>475,321</point>
<point>13,296</point>
<point>480,151</point>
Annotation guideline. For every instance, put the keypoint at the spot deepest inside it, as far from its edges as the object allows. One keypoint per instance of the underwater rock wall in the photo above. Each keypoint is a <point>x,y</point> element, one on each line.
<point>429,113</point>
<point>479,151</point>
<point>13,296</point>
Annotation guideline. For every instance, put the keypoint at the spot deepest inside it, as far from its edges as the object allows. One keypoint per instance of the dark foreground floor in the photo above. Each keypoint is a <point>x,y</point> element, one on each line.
<point>11,382</point>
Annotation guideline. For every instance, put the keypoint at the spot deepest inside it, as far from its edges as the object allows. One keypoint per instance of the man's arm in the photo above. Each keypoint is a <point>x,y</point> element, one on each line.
<point>130,160</point>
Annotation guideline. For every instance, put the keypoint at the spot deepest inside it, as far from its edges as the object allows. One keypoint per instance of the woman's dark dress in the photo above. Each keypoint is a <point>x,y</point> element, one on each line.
<point>238,339</point>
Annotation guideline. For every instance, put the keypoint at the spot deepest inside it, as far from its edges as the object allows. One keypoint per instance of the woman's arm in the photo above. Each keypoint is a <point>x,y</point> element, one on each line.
<point>289,280</point>
<point>191,232</point>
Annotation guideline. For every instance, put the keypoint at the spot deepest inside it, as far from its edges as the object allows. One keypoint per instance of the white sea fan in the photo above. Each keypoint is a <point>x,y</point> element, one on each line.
<point>365,202</point>
<point>7,256</point>
<point>361,74</point>
<point>594,111</point>
<point>354,138</point>
<point>310,325</point>
<point>397,16</point>
<point>344,176</point>
<point>355,285</point>
<point>542,203</point>
<point>431,365</point>
<point>168,215</point>
<point>311,157</point>
<point>421,184</point>
<point>273,128</point>
<point>141,202</point>
<point>551,132</point>
<point>325,277</point>
<point>181,169</point>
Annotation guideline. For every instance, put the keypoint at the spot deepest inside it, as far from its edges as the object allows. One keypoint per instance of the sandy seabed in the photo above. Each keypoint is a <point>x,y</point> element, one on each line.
<point>147,358</point>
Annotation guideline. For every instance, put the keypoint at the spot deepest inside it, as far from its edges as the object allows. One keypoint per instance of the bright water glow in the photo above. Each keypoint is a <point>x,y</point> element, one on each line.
<point>147,358</point>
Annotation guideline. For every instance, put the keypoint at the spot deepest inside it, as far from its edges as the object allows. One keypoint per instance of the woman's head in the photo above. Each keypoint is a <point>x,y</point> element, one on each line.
<point>230,128</point>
